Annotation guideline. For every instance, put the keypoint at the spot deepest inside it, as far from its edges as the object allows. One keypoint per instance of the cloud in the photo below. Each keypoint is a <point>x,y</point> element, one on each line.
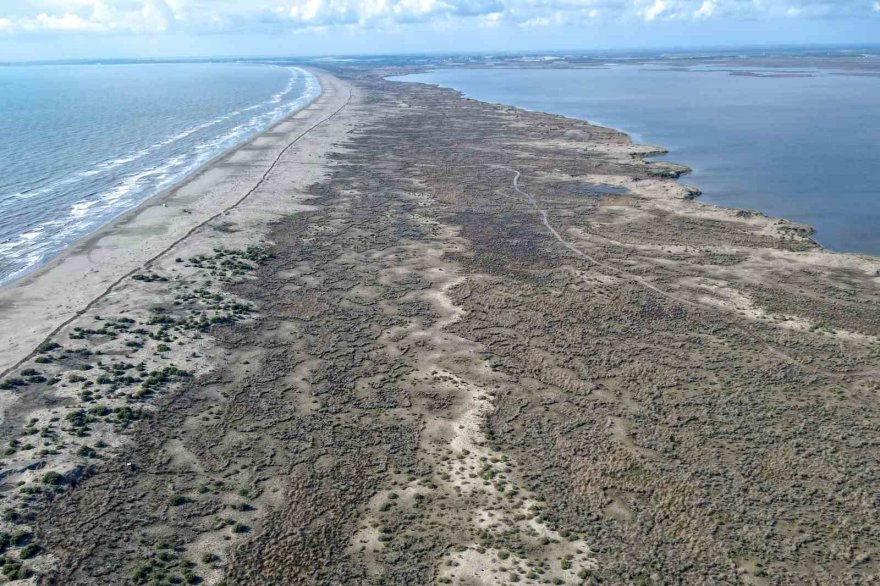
<point>706,9</point>
<point>92,16</point>
<point>211,16</point>
<point>311,13</point>
<point>67,22</point>
<point>655,10</point>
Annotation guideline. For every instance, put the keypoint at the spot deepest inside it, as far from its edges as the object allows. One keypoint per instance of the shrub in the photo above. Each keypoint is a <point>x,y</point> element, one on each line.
<point>77,418</point>
<point>141,573</point>
<point>29,551</point>
<point>47,346</point>
<point>23,573</point>
<point>53,478</point>
<point>86,452</point>
<point>11,383</point>
<point>177,500</point>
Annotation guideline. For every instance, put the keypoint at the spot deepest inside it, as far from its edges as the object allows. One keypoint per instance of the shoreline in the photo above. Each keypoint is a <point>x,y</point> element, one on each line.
<point>85,240</point>
<point>645,150</point>
<point>100,260</point>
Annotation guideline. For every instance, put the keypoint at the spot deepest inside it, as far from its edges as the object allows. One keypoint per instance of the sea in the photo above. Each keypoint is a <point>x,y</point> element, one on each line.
<point>799,142</point>
<point>82,143</point>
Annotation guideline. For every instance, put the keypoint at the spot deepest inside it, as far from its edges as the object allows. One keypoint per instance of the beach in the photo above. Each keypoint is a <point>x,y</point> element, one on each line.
<point>91,267</point>
<point>407,337</point>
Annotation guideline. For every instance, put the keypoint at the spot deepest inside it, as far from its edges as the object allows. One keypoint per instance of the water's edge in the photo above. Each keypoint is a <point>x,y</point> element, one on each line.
<point>86,240</point>
<point>654,151</point>
<point>837,209</point>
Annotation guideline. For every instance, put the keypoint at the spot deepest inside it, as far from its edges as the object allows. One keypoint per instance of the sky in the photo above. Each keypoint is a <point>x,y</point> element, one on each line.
<point>77,29</point>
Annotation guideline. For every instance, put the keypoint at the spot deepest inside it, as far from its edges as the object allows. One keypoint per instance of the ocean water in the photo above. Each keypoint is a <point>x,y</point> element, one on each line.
<point>803,146</point>
<point>80,144</point>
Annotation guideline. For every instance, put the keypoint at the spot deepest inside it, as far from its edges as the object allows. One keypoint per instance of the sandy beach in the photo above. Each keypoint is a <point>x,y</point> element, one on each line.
<point>83,273</point>
<point>411,338</point>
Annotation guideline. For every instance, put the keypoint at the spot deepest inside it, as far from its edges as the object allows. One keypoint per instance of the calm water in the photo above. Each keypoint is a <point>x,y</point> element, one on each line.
<point>80,144</point>
<point>804,148</point>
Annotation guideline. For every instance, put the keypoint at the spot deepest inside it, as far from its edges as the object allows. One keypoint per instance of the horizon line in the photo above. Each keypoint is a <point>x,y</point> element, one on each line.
<point>585,52</point>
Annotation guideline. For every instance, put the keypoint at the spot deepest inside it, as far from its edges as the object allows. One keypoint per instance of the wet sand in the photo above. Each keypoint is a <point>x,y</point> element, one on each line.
<point>471,345</point>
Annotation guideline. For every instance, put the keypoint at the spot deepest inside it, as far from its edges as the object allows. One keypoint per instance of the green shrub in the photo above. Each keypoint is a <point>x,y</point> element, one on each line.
<point>53,478</point>
<point>47,346</point>
<point>86,452</point>
<point>11,383</point>
<point>29,551</point>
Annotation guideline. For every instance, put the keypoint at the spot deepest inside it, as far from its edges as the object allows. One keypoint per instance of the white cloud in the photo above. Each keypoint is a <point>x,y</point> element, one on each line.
<point>196,16</point>
<point>93,16</point>
<point>310,13</point>
<point>67,22</point>
<point>491,20</point>
<point>656,9</point>
<point>706,9</point>
<point>157,15</point>
<point>307,10</point>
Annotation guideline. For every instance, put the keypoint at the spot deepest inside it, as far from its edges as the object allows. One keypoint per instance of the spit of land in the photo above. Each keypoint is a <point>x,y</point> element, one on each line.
<point>410,338</point>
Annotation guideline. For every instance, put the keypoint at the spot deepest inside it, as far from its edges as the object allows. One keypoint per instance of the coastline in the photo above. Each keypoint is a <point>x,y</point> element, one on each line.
<point>489,343</point>
<point>712,176</point>
<point>66,284</point>
<point>177,182</point>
